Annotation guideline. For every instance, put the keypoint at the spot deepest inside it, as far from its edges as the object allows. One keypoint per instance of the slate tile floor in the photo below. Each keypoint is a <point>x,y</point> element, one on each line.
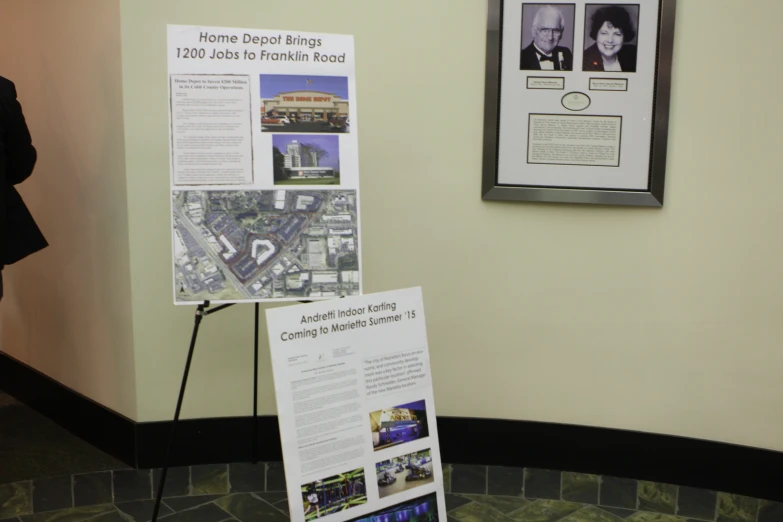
<point>92,490</point>
<point>256,492</point>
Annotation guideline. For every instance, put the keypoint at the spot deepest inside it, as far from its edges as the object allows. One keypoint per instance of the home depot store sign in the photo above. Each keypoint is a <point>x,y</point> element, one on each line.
<point>308,100</point>
<point>326,99</point>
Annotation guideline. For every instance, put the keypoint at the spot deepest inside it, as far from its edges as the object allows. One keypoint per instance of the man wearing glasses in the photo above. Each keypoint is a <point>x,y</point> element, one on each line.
<point>544,53</point>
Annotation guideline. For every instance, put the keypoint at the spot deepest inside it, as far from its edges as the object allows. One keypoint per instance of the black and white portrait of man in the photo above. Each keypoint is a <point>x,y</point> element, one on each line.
<point>547,37</point>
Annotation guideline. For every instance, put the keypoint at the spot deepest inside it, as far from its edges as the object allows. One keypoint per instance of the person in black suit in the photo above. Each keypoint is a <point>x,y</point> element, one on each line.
<point>19,234</point>
<point>544,53</point>
<point>611,28</point>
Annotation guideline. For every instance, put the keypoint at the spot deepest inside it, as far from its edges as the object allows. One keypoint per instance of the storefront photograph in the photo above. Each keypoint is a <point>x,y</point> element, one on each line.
<point>294,103</point>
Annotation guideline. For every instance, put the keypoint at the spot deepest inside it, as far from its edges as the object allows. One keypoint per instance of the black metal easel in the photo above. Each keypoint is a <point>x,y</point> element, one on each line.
<point>202,311</point>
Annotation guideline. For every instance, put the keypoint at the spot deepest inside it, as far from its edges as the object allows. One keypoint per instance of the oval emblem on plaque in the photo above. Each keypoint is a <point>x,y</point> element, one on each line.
<point>576,101</point>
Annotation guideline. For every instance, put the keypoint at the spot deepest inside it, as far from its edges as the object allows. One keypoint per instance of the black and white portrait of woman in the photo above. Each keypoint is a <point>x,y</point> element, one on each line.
<point>610,38</point>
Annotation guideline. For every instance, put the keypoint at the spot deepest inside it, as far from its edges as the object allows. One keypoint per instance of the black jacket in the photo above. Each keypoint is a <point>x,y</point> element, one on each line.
<point>19,235</point>
<point>528,60</point>
<point>593,61</point>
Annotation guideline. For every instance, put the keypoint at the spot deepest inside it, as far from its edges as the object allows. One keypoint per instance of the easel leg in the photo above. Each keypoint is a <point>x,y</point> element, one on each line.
<point>164,471</point>
<point>255,389</point>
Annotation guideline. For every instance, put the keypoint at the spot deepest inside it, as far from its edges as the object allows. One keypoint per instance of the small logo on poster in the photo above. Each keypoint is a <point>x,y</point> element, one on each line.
<point>576,101</point>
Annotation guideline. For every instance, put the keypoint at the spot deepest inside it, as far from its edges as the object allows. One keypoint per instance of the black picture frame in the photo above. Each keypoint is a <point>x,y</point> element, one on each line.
<point>652,196</point>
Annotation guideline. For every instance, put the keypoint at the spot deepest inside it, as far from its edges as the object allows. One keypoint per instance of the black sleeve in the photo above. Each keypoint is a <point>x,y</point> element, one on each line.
<point>591,60</point>
<point>17,142</point>
<point>569,59</point>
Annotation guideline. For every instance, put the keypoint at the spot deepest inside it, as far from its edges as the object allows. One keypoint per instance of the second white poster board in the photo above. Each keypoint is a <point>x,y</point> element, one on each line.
<point>356,409</point>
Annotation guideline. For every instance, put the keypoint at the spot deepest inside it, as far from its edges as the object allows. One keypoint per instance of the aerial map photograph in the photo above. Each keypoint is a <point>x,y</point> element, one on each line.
<point>249,245</point>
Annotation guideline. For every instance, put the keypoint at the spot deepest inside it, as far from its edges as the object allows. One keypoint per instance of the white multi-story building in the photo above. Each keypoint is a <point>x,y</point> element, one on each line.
<point>295,157</point>
<point>300,161</point>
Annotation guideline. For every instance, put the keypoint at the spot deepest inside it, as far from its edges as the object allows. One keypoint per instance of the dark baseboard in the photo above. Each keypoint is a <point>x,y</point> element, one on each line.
<point>208,441</point>
<point>668,459</point>
<point>659,458</point>
<point>85,418</point>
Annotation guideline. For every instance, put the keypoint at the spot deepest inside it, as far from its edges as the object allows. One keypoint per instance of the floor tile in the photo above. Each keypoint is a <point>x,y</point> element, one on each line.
<point>275,476</point>
<point>475,512</point>
<point>282,506</point>
<point>770,511</point>
<point>736,508</point>
<point>580,487</point>
<point>591,514</point>
<point>246,477</point>
<point>504,481</point>
<point>51,494</point>
<point>657,497</point>
<point>619,512</point>
<point>454,501</point>
<point>205,513</point>
<point>542,483</point>
<point>209,479</point>
<point>272,497</point>
<point>248,508</point>
<point>92,488</point>
<point>16,499</point>
<point>545,511</point>
<point>618,492</point>
<point>80,514</point>
<point>141,510</point>
<point>185,503</point>
<point>177,482</point>
<point>468,479</point>
<point>131,485</point>
<point>697,503</point>
<point>113,516</point>
<point>504,504</point>
<point>646,516</point>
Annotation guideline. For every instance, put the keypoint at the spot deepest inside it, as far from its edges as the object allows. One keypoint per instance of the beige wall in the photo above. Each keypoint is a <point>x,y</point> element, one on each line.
<point>663,321</point>
<point>655,320</point>
<point>66,310</point>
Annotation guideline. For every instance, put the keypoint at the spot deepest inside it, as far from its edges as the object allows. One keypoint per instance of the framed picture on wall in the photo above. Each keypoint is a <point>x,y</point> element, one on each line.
<point>577,101</point>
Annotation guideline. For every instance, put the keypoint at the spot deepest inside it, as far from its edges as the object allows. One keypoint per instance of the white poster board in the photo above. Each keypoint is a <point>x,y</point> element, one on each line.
<point>264,165</point>
<point>356,409</point>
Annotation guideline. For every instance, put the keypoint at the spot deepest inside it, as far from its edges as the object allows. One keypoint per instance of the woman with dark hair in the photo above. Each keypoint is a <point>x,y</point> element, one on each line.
<point>611,28</point>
